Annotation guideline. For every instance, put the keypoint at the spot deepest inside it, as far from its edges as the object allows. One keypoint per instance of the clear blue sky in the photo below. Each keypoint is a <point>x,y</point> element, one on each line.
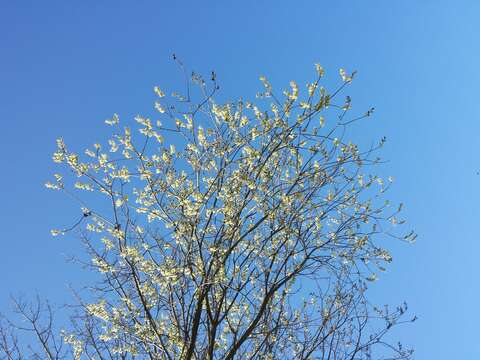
<point>66,66</point>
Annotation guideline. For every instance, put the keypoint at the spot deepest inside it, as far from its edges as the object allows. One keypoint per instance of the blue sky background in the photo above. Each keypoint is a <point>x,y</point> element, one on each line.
<point>66,66</point>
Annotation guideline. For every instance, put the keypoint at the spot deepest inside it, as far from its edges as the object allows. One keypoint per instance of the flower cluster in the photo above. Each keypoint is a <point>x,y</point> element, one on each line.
<point>217,218</point>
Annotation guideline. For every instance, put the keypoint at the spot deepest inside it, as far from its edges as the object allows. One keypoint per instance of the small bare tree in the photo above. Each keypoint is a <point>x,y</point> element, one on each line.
<point>244,230</point>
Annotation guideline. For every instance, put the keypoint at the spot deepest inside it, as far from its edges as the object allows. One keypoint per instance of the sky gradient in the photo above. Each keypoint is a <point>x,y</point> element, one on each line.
<point>67,66</point>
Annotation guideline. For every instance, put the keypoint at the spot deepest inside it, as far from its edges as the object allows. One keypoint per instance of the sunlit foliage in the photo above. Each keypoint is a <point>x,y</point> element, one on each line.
<point>238,230</point>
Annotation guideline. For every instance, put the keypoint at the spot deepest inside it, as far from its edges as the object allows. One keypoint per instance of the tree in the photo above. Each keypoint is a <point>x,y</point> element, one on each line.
<point>227,231</point>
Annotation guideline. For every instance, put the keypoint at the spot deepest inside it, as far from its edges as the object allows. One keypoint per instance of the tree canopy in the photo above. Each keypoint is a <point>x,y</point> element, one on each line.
<point>237,230</point>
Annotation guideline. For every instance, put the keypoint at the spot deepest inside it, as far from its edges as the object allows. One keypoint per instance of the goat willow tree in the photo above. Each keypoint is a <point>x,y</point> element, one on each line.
<point>229,231</point>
